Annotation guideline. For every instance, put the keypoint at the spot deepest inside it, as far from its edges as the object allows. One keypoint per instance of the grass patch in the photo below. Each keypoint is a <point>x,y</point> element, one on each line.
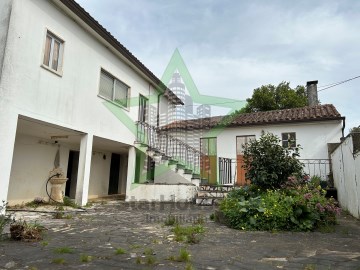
<point>120,251</point>
<point>138,260</point>
<point>189,267</point>
<point>184,255</point>
<point>69,202</point>
<point>188,234</point>
<point>44,243</point>
<point>64,250</point>
<point>200,220</point>
<point>170,220</point>
<point>148,251</point>
<point>58,261</point>
<point>150,260</point>
<point>85,258</point>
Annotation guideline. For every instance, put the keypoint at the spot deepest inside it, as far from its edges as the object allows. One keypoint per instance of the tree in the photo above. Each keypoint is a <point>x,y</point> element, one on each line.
<point>269,164</point>
<point>270,97</point>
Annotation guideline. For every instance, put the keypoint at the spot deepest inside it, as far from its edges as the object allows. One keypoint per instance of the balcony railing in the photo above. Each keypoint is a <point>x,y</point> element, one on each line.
<point>168,146</point>
<point>312,167</point>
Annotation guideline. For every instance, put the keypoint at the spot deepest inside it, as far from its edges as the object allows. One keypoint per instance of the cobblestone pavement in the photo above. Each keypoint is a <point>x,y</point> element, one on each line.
<point>139,229</point>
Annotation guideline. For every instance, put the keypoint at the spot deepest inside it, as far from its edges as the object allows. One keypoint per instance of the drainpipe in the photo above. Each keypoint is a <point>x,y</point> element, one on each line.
<point>343,129</point>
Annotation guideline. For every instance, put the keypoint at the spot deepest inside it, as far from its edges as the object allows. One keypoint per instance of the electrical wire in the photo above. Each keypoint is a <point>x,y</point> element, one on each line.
<point>337,83</point>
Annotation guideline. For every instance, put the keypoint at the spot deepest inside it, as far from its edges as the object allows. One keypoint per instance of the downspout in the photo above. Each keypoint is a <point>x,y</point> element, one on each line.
<point>343,128</point>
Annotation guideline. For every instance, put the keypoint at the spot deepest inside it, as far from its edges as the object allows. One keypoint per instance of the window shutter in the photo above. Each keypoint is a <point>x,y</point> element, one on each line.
<point>121,93</point>
<point>106,86</point>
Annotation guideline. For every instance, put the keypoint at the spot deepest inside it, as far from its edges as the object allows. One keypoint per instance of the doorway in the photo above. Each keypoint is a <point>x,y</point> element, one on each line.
<point>72,172</point>
<point>114,174</point>
<point>240,170</point>
<point>208,160</point>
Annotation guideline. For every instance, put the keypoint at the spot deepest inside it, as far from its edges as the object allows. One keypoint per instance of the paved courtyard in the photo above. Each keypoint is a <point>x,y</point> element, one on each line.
<point>90,239</point>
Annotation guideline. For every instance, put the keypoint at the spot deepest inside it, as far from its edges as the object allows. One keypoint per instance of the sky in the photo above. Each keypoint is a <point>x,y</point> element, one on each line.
<point>232,47</point>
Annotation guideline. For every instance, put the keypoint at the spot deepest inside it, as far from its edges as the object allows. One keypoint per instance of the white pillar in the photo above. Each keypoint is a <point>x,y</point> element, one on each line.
<point>83,177</point>
<point>130,171</point>
<point>8,124</point>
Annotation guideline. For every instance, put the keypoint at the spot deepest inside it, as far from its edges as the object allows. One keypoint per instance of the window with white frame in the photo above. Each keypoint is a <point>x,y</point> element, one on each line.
<point>113,89</point>
<point>288,139</point>
<point>53,53</point>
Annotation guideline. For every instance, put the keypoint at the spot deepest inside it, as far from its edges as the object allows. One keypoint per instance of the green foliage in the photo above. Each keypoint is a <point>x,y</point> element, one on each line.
<point>120,251</point>
<point>170,220</point>
<point>64,250</point>
<point>69,202</point>
<point>85,258</point>
<point>269,164</point>
<point>270,97</point>
<point>188,234</point>
<point>58,261</point>
<point>301,207</point>
<point>184,255</point>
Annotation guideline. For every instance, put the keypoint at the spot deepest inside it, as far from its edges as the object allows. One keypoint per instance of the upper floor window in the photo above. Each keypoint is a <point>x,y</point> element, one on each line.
<point>113,89</point>
<point>143,108</point>
<point>53,53</point>
<point>288,139</point>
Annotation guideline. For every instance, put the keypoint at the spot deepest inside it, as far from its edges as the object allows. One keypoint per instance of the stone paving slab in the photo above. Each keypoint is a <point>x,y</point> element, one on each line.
<point>136,227</point>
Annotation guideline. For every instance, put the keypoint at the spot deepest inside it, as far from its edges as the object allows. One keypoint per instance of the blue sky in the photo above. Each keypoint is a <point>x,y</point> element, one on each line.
<point>231,47</point>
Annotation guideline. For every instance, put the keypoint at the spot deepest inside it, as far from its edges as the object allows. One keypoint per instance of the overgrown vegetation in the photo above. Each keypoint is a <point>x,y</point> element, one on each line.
<point>188,234</point>
<point>170,220</point>
<point>23,231</point>
<point>120,251</point>
<point>280,197</point>
<point>269,164</point>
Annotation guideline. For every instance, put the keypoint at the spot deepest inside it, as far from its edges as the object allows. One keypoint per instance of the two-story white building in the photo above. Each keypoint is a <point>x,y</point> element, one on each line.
<point>67,85</point>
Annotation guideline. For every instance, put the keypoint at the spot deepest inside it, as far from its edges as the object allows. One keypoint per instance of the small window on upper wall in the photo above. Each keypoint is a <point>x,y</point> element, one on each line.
<point>288,139</point>
<point>53,52</point>
<point>113,89</point>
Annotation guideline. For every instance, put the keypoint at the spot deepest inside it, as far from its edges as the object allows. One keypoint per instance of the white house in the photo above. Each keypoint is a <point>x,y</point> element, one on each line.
<point>313,127</point>
<point>67,84</point>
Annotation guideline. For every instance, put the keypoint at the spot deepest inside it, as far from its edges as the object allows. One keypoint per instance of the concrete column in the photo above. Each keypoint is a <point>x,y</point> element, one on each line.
<point>130,171</point>
<point>8,124</point>
<point>83,177</point>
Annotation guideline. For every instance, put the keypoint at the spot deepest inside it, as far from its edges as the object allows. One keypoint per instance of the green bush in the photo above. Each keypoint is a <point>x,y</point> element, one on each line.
<point>300,208</point>
<point>269,164</point>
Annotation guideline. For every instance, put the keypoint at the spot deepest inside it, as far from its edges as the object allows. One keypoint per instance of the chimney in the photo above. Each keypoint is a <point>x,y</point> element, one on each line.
<point>311,90</point>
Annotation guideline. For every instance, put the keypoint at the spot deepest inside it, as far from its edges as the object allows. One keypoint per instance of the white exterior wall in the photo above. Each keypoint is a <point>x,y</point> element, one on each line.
<point>32,163</point>
<point>99,174</point>
<point>69,100</point>
<point>162,192</point>
<point>313,137</point>
<point>346,171</point>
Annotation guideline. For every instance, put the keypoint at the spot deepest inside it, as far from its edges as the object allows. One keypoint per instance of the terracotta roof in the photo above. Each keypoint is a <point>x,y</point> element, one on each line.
<point>304,114</point>
<point>81,13</point>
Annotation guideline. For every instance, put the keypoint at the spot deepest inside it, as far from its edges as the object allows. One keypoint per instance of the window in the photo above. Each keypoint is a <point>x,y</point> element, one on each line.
<point>288,139</point>
<point>53,53</point>
<point>114,90</point>
<point>143,108</point>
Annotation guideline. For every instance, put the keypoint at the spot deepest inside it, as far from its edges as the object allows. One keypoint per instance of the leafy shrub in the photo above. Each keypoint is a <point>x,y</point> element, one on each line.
<point>269,164</point>
<point>300,208</point>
